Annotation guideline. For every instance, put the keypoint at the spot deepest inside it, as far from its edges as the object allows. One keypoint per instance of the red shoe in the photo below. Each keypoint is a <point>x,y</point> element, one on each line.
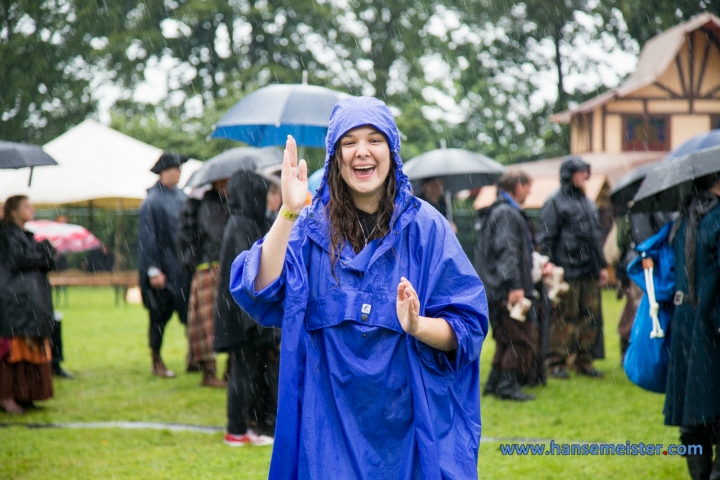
<point>233,440</point>
<point>248,438</point>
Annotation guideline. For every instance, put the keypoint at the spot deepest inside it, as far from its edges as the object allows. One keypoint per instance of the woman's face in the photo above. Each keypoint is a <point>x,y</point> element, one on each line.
<point>24,213</point>
<point>365,162</point>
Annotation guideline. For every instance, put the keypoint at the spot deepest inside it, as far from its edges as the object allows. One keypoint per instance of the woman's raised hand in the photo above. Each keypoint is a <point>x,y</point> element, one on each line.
<point>294,178</point>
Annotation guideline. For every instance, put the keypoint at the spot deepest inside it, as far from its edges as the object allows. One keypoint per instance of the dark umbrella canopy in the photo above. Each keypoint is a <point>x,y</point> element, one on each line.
<point>267,116</point>
<point>626,188</point>
<point>227,163</point>
<point>21,155</point>
<point>667,184</point>
<point>459,169</point>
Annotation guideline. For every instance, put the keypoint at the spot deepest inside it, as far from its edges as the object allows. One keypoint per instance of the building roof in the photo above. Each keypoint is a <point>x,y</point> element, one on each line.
<point>656,56</point>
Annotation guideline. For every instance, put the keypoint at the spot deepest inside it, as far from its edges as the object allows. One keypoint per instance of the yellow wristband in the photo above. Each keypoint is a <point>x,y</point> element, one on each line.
<point>285,213</point>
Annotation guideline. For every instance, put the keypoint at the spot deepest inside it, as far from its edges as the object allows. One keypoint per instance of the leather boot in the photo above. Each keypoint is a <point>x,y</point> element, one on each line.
<point>492,381</point>
<point>508,388</point>
<point>208,375</point>
<point>699,466</point>
<point>158,366</point>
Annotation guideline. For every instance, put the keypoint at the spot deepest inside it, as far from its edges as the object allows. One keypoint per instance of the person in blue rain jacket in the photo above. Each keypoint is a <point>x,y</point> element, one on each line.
<point>383,316</point>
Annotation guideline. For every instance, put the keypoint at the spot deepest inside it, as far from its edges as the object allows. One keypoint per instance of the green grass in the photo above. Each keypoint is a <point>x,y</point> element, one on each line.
<point>105,347</point>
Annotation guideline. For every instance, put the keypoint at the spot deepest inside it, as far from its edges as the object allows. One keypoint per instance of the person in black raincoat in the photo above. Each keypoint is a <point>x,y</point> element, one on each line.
<point>202,223</point>
<point>164,286</point>
<point>504,263</point>
<point>570,235</point>
<point>692,399</point>
<point>26,310</point>
<point>254,350</point>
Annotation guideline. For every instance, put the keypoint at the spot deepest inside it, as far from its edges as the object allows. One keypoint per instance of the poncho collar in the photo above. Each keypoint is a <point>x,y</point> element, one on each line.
<point>350,113</point>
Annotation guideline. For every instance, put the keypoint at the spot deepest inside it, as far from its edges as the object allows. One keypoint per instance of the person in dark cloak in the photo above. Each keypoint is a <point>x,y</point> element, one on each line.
<point>164,287</point>
<point>254,350</point>
<point>692,399</point>
<point>504,262</point>
<point>382,314</point>
<point>26,310</point>
<point>202,223</point>
<point>570,236</point>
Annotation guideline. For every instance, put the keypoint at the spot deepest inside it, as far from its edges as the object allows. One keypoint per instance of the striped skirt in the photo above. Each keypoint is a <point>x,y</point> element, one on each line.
<point>200,326</point>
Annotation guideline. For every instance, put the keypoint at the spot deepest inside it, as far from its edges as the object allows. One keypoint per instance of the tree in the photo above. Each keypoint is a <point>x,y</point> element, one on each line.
<point>647,18</point>
<point>45,83</point>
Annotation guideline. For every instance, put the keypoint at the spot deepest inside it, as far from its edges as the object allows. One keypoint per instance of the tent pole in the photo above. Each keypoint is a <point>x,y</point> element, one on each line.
<point>119,231</point>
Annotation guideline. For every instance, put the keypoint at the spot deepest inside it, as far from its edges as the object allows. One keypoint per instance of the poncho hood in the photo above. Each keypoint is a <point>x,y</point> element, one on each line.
<point>354,112</point>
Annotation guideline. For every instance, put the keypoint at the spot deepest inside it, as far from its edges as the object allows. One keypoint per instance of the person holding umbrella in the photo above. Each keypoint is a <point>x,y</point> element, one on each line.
<point>383,315</point>
<point>692,400</point>
<point>26,311</point>
<point>163,284</point>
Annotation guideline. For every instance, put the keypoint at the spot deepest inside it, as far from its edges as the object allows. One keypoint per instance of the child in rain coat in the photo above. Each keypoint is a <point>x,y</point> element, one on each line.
<point>383,316</point>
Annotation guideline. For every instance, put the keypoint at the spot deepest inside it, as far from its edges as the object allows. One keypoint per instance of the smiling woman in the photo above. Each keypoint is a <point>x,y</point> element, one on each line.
<point>383,316</point>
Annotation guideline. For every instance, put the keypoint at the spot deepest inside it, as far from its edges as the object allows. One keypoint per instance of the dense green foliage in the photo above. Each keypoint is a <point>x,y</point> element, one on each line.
<point>460,72</point>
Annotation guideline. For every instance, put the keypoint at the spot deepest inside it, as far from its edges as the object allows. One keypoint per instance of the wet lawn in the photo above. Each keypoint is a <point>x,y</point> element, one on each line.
<point>105,347</point>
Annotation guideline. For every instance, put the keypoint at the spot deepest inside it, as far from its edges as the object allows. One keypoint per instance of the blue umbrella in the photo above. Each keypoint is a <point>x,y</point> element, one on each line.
<point>700,142</point>
<point>267,116</point>
<point>315,179</point>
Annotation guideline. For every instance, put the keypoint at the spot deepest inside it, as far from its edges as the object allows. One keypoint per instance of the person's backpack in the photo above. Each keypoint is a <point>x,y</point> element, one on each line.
<point>653,270</point>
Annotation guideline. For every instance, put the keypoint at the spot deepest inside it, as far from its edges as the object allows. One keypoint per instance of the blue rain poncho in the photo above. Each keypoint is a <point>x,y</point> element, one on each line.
<point>358,397</point>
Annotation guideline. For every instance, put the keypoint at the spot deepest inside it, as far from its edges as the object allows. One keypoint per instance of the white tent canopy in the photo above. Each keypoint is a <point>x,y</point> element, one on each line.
<point>95,164</point>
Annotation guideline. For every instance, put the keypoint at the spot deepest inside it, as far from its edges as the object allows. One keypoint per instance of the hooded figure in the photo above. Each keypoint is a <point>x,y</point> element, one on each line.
<point>252,386</point>
<point>359,397</point>
<point>692,399</point>
<point>570,235</point>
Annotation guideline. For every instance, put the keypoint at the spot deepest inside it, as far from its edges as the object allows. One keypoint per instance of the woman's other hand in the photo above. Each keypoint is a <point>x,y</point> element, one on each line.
<point>408,307</point>
<point>294,178</point>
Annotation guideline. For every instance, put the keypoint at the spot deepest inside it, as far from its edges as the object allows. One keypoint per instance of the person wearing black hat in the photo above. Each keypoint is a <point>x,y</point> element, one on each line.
<point>163,284</point>
<point>570,235</point>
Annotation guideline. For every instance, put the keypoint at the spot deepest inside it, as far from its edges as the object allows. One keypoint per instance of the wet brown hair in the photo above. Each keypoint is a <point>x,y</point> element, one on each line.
<point>511,179</point>
<point>12,204</point>
<point>344,224</point>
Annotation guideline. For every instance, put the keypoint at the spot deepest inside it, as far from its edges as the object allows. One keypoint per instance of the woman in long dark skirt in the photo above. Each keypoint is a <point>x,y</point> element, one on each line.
<point>26,313</point>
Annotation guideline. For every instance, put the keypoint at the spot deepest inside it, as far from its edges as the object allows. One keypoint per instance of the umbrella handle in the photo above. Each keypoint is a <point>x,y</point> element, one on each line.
<point>448,205</point>
<point>648,267</point>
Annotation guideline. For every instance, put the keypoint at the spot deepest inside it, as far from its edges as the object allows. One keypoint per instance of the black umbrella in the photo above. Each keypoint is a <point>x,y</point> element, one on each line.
<point>626,188</point>
<point>22,155</point>
<point>459,169</point>
<point>668,183</point>
<point>227,163</point>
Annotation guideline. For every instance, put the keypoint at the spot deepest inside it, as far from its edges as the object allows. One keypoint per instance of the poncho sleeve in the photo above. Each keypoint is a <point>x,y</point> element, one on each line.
<point>457,295</point>
<point>266,306</point>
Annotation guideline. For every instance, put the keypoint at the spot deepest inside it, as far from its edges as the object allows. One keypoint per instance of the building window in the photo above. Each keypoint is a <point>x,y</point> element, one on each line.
<point>645,133</point>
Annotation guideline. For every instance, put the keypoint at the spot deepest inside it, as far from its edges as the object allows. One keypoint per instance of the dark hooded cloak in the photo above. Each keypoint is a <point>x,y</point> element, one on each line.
<point>247,199</point>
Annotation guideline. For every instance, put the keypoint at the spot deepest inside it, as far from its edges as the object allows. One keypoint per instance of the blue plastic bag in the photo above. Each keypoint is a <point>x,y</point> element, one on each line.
<point>646,359</point>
